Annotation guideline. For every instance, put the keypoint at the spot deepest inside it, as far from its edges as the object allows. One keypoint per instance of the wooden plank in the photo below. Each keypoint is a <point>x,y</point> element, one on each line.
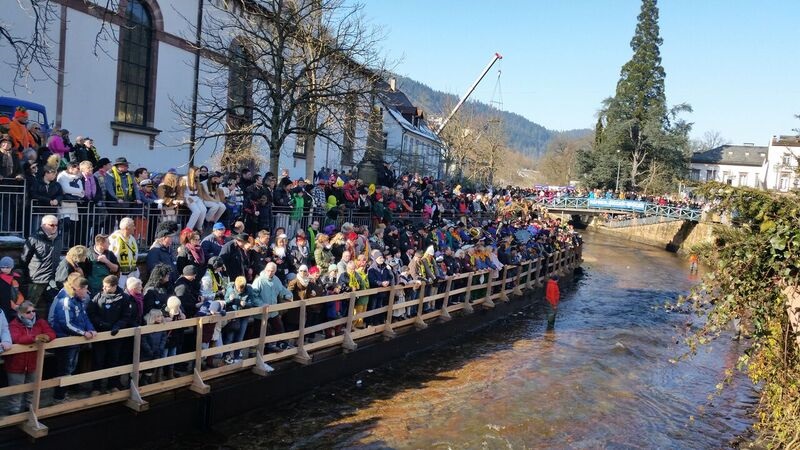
<point>211,351</point>
<point>326,325</point>
<point>72,380</point>
<point>161,362</point>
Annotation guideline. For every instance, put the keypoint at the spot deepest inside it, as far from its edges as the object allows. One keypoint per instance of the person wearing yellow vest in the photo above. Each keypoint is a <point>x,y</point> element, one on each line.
<point>120,186</point>
<point>214,283</point>
<point>122,244</point>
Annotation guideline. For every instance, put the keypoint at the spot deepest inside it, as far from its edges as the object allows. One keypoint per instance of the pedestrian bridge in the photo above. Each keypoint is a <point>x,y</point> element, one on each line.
<point>596,206</point>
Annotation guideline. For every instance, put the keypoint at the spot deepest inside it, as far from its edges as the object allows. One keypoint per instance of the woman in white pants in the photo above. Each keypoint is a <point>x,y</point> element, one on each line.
<point>189,187</point>
<point>213,197</point>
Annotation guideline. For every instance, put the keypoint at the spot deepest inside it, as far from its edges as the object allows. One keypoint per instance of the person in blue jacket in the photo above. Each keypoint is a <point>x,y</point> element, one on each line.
<point>69,319</point>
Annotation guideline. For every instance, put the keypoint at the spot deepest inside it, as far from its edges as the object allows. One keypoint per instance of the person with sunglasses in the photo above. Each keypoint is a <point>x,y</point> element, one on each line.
<point>26,329</point>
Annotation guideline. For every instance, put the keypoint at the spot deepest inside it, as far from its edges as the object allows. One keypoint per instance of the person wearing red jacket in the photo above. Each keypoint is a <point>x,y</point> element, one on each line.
<point>26,329</point>
<point>552,294</point>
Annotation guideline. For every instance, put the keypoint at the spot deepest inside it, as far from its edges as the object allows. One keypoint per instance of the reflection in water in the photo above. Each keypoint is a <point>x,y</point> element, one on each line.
<point>602,379</point>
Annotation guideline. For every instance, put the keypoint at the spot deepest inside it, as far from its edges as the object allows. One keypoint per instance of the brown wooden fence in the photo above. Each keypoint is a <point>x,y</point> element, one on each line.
<point>498,286</point>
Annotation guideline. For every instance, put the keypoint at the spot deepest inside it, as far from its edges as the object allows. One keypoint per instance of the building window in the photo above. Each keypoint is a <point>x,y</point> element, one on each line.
<point>787,160</point>
<point>133,84</point>
<point>240,102</point>
<point>742,178</point>
<point>711,175</point>
<point>695,176</point>
<point>783,183</point>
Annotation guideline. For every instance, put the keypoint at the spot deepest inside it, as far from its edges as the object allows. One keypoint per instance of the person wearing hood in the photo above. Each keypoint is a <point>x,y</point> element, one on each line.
<point>41,255</point>
<point>10,295</point>
<point>110,310</point>
<point>26,329</point>
<point>379,275</point>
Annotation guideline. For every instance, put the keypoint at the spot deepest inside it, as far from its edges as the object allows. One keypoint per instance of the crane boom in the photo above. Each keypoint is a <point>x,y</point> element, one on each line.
<point>469,92</point>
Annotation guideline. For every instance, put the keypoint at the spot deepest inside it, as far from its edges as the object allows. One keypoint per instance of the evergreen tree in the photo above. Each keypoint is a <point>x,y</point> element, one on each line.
<point>636,131</point>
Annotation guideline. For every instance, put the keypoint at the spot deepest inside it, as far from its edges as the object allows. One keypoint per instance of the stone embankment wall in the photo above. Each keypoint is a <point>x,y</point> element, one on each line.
<point>674,236</point>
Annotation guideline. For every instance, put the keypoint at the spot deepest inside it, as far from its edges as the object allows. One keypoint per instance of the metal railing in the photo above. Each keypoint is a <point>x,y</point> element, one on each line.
<point>81,222</point>
<point>646,208</point>
<point>428,308</point>
<point>12,207</point>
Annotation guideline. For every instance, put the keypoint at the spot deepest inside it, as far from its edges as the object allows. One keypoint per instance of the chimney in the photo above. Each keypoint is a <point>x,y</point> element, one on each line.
<point>392,84</point>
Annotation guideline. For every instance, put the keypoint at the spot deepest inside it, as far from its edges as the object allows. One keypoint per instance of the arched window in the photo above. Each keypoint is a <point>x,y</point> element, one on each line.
<point>240,101</point>
<point>135,60</point>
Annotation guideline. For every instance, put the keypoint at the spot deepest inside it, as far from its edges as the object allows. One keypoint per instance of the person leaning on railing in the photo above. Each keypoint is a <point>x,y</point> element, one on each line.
<point>267,289</point>
<point>110,310</point>
<point>25,329</point>
<point>69,319</point>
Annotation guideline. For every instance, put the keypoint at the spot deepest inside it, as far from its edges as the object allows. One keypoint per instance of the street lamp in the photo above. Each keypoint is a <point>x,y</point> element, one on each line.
<point>619,166</point>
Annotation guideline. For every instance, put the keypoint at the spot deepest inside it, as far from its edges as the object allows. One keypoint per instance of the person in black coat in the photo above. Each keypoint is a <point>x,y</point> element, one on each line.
<point>110,310</point>
<point>234,255</point>
<point>157,290</point>
<point>188,292</point>
<point>41,255</point>
<point>379,275</point>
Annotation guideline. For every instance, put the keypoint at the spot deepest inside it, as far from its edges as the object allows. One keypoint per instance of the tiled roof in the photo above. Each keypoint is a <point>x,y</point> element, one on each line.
<point>734,155</point>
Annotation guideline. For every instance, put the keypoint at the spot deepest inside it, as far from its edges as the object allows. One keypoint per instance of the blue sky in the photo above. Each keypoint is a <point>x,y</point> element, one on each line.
<point>735,61</point>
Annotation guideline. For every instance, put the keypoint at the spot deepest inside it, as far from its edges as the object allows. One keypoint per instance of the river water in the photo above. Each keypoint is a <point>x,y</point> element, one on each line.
<point>602,379</point>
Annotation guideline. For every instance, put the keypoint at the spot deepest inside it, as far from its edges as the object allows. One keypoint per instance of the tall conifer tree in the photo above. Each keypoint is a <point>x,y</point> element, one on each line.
<point>636,132</point>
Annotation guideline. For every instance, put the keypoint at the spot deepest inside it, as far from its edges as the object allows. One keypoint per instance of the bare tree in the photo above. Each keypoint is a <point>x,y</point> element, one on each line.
<point>34,54</point>
<point>284,68</point>
<point>711,139</point>
<point>558,165</point>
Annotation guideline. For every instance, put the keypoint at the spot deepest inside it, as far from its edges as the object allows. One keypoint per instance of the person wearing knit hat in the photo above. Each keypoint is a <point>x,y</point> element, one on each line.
<point>6,262</point>
<point>18,130</point>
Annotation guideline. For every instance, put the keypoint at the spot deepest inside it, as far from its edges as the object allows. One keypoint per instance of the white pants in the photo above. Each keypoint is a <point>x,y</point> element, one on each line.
<point>198,210</point>
<point>215,210</point>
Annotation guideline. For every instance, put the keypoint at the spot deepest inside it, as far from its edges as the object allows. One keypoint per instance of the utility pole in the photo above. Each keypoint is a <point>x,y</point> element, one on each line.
<point>619,166</point>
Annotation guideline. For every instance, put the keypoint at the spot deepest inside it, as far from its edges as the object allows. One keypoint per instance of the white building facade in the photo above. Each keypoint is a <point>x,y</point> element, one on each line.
<point>125,92</point>
<point>782,163</point>
<point>736,165</point>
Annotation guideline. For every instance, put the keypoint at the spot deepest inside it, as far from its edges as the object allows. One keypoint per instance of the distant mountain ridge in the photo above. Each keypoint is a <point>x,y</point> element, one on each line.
<point>524,136</point>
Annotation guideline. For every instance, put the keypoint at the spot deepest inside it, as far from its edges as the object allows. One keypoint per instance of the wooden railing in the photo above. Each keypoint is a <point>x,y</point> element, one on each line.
<point>527,275</point>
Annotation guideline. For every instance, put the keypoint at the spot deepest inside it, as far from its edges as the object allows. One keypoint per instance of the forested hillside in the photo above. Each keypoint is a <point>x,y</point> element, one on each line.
<point>524,136</point>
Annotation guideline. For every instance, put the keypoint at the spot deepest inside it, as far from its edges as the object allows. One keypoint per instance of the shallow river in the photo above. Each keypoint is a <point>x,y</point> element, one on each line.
<point>603,379</point>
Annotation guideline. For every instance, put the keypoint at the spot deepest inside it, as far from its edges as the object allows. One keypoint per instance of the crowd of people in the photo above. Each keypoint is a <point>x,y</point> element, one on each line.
<point>250,241</point>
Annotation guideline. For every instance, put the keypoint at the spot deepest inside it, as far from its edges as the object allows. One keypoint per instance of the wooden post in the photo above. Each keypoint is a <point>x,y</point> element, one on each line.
<point>261,367</point>
<point>135,401</point>
<point>503,294</point>
<point>468,309</point>
<point>488,302</point>
<point>529,280</point>
<point>445,313</point>
<point>388,330</point>
<point>517,289</point>
<point>419,323</point>
<point>32,426</point>
<point>348,343</point>
<point>302,355</point>
<point>198,385</point>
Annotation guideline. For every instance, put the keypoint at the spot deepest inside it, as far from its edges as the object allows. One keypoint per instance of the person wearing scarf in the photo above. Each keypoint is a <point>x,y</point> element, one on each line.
<point>379,275</point>
<point>25,329</point>
<point>133,287</point>
<point>282,258</point>
<point>191,251</point>
<point>303,287</point>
